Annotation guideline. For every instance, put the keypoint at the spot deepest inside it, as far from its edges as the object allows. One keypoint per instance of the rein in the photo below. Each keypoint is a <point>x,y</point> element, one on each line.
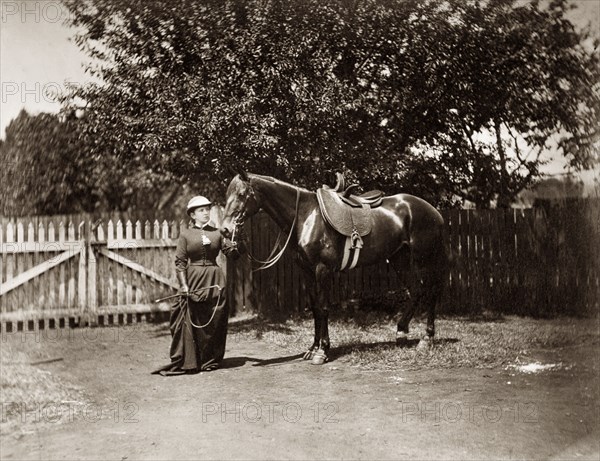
<point>187,304</point>
<point>273,258</point>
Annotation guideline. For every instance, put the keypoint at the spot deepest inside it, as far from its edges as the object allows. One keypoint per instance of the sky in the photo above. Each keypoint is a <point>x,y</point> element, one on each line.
<point>37,58</point>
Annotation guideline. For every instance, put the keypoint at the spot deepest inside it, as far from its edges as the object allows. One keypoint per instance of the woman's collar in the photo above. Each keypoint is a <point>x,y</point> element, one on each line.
<point>208,224</point>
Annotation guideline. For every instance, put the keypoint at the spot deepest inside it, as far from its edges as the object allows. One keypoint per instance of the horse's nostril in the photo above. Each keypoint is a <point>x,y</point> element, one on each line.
<point>225,232</point>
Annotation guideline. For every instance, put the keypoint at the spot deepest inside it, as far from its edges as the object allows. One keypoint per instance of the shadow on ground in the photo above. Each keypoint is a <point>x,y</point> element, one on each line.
<point>236,362</point>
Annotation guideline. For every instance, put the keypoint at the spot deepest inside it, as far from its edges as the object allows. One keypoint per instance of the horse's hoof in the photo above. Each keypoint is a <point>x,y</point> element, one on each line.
<point>309,354</point>
<point>319,358</point>
<point>425,343</point>
<point>401,338</point>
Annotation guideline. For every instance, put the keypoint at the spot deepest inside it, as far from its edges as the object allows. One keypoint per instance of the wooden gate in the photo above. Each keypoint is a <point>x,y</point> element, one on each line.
<point>84,273</point>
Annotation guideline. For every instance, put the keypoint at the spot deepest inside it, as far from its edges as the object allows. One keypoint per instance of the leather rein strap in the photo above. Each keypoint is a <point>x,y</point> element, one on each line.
<point>273,258</point>
<point>187,303</point>
<point>189,315</point>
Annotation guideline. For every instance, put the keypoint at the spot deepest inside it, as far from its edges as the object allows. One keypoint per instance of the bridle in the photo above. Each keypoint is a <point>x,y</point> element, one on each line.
<point>273,258</point>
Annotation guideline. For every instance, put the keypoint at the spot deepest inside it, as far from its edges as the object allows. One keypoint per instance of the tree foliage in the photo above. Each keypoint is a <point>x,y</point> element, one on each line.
<point>41,171</point>
<point>439,98</point>
<point>47,168</point>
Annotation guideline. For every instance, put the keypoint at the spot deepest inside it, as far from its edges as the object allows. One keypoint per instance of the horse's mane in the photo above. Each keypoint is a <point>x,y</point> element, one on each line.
<point>276,181</point>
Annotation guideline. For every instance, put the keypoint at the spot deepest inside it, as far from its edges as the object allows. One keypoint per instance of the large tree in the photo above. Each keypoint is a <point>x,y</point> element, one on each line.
<point>528,82</point>
<point>436,97</point>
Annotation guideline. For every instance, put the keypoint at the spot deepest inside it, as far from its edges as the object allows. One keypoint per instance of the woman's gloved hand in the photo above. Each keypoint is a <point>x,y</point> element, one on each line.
<point>240,240</point>
<point>200,296</point>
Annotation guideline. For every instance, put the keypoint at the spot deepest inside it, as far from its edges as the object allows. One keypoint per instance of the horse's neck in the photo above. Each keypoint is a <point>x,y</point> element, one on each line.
<point>278,201</point>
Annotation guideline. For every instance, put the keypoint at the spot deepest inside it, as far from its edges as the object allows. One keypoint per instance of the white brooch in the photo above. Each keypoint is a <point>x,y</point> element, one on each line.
<point>205,240</point>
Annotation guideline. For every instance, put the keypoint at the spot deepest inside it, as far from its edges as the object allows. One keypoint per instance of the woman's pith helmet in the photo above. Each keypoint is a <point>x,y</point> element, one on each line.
<point>196,202</point>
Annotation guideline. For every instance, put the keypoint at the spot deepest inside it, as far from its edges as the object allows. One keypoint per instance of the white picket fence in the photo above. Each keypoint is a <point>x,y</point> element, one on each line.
<point>85,269</point>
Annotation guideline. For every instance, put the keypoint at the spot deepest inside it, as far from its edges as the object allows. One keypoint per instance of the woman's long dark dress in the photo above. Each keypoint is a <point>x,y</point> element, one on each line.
<point>192,348</point>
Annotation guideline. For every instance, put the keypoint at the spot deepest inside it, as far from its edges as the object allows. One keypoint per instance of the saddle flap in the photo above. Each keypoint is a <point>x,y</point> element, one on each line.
<point>347,220</point>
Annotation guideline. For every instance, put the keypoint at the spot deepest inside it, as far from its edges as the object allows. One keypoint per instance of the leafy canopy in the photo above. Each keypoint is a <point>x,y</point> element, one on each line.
<point>439,98</point>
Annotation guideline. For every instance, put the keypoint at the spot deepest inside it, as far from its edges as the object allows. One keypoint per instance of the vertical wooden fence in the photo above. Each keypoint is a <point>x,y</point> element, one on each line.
<point>542,261</point>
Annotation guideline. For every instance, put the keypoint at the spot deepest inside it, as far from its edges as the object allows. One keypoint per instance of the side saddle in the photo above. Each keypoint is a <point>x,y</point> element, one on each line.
<point>346,212</point>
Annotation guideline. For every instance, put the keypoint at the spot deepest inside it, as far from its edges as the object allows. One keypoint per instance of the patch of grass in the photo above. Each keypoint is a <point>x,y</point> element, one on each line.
<point>29,395</point>
<point>480,343</point>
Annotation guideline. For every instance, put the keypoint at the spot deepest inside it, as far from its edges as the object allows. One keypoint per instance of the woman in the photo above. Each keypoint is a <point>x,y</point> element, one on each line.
<point>198,321</point>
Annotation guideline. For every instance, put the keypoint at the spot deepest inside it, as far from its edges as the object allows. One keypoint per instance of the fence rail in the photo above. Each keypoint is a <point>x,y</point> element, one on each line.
<point>543,261</point>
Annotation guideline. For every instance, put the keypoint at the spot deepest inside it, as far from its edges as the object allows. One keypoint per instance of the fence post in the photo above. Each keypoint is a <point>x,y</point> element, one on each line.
<point>82,273</point>
<point>92,269</point>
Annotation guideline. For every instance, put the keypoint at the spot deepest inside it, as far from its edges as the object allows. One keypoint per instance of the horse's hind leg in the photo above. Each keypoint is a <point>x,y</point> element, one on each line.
<point>430,299</point>
<point>401,262</point>
<point>435,282</point>
<point>425,290</point>
<point>414,301</point>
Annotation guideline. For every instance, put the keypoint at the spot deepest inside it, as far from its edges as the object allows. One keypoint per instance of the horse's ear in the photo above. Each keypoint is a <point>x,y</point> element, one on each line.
<point>231,171</point>
<point>243,174</point>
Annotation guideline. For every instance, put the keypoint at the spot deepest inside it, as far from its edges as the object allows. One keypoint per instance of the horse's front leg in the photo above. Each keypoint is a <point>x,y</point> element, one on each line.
<point>310,353</point>
<point>311,295</point>
<point>323,278</point>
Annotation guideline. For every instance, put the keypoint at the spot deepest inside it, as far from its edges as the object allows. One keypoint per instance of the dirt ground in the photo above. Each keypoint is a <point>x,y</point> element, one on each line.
<point>263,404</point>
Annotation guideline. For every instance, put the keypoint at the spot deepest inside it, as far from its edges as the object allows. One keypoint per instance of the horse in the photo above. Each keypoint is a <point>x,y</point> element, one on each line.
<point>406,231</point>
